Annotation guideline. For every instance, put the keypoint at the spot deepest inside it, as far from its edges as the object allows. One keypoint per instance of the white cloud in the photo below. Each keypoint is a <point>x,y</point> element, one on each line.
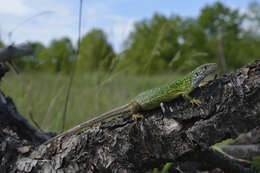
<point>44,28</point>
<point>63,21</point>
<point>119,31</point>
<point>14,7</point>
<point>242,11</point>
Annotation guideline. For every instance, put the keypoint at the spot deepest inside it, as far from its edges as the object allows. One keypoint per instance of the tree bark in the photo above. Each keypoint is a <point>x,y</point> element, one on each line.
<point>183,134</point>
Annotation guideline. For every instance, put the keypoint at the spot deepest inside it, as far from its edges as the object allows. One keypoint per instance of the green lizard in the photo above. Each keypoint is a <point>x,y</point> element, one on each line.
<point>152,98</point>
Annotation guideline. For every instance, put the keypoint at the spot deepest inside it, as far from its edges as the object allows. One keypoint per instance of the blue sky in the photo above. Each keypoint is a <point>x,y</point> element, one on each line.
<point>115,17</point>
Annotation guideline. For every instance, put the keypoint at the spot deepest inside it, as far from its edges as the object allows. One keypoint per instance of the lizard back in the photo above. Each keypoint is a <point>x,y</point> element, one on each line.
<point>152,98</point>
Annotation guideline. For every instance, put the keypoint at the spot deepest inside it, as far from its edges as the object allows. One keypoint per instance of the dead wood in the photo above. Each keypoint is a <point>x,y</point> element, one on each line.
<point>15,51</point>
<point>231,106</point>
<point>16,133</point>
<point>245,147</point>
<point>11,52</point>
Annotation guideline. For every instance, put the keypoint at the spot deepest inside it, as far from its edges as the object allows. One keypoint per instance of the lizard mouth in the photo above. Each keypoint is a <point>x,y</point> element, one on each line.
<point>201,72</point>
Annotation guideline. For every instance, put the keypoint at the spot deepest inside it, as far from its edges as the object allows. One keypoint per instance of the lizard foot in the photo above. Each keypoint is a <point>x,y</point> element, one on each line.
<point>137,116</point>
<point>196,102</point>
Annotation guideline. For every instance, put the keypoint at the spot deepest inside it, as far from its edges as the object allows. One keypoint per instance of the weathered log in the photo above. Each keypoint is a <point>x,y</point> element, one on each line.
<point>17,135</point>
<point>231,106</point>
<point>211,159</point>
<point>15,51</point>
<point>245,147</point>
<point>11,52</point>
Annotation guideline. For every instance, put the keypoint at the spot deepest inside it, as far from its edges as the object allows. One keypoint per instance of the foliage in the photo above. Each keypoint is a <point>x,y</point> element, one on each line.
<point>159,44</point>
<point>165,169</point>
<point>58,56</point>
<point>193,48</point>
<point>256,163</point>
<point>254,17</point>
<point>216,17</point>
<point>30,62</point>
<point>1,44</point>
<point>95,52</point>
<point>223,27</point>
<point>152,44</point>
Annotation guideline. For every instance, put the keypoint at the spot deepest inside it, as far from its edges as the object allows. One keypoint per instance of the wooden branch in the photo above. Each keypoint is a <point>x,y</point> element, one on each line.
<point>245,147</point>
<point>231,106</point>
<point>11,52</point>
<point>252,137</point>
<point>17,135</point>
<point>246,152</point>
<point>15,51</point>
<point>210,159</point>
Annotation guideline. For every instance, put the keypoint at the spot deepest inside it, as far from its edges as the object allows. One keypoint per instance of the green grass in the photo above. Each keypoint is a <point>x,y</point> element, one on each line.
<point>43,95</point>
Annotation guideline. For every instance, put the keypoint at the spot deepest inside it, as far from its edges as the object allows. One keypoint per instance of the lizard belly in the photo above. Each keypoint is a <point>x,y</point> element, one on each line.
<point>152,98</point>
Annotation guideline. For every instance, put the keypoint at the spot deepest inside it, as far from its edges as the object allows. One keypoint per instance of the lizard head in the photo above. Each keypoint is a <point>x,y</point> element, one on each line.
<point>201,72</point>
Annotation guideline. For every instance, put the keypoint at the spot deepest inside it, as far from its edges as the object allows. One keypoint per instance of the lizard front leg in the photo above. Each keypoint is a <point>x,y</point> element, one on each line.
<point>186,96</point>
<point>193,101</point>
<point>137,116</point>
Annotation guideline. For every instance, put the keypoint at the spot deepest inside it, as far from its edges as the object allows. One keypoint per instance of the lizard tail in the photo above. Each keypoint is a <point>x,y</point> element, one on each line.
<point>127,108</point>
<point>117,111</point>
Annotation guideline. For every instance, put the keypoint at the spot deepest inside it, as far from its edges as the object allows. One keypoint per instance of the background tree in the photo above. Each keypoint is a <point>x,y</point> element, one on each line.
<point>152,44</point>
<point>223,27</point>
<point>158,44</point>
<point>96,52</point>
<point>253,16</point>
<point>1,44</point>
<point>247,49</point>
<point>58,56</point>
<point>193,48</point>
<point>31,62</point>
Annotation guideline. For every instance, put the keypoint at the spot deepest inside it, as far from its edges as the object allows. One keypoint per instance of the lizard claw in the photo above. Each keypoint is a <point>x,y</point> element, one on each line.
<point>196,102</point>
<point>137,116</point>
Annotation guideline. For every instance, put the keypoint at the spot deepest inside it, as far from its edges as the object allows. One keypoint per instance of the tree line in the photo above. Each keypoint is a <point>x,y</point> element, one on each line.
<point>219,34</point>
